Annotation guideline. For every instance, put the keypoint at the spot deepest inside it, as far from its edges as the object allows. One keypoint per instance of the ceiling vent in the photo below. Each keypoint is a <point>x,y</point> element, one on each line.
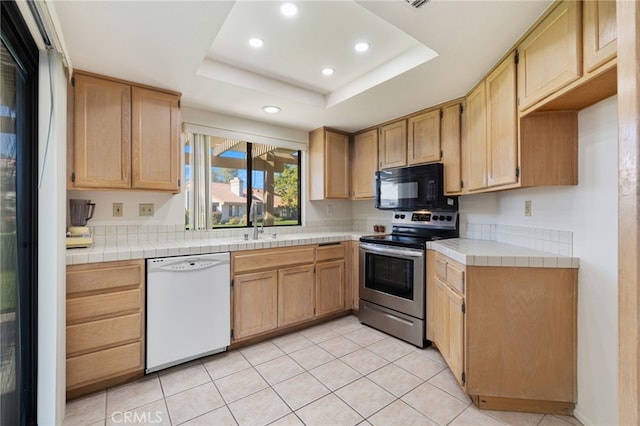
<point>417,3</point>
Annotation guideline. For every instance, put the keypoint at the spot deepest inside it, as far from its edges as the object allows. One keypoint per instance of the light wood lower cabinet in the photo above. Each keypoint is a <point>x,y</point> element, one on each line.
<point>330,278</point>
<point>255,303</point>
<point>295,295</point>
<point>275,288</point>
<point>105,325</point>
<point>508,334</point>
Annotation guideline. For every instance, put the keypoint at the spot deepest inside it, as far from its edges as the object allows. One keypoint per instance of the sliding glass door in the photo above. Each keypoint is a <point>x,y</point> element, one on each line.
<point>18,220</point>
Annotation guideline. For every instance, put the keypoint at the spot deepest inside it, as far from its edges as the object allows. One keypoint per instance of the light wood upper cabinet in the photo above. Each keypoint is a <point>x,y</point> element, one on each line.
<point>295,294</point>
<point>155,153</point>
<point>599,32</point>
<point>502,124</point>
<point>102,134</point>
<point>451,148</point>
<point>328,165</point>
<point>122,136</point>
<point>392,145</point>
<point>255,303</point>
<point>476,137</point>
<point>364,164</point>
<point>550,57</point>
<point>423,137</point>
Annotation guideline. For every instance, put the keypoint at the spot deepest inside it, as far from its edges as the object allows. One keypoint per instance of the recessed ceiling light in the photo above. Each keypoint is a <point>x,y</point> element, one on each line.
<point>289,9</point>
<point>256,42</point>
<point>328,71</point>
<point>362,46</point>
<point>271,109</point>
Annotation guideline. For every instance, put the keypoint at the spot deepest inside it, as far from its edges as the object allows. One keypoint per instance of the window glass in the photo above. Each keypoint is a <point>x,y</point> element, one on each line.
<point>220,172</point>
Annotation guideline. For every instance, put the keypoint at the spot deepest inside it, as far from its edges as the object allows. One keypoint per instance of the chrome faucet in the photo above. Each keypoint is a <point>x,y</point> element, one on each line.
<point>253,217</point>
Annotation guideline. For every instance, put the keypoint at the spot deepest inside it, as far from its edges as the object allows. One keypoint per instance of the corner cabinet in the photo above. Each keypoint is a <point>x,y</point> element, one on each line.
<point>105,325</point>
<point>328,165</point>
<point>364,164</point>
<point>505,151</point>
<point>122,136</point>
<point>507,333</point>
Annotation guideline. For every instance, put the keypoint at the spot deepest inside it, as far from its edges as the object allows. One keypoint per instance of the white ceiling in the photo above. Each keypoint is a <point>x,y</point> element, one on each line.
<point>418,57</point>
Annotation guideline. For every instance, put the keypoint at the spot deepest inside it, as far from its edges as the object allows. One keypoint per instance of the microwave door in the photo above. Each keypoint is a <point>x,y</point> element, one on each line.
<point>397,194</point>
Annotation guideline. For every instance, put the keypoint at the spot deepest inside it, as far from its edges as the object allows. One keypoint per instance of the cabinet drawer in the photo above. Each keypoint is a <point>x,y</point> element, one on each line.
<point>97,334</point>
<point>273,259</point>
<point>103,305</point>
<point>102,365</point>
<point>330,252</point>
<point>441,267</point>
<point>455,278</point>
<point>104,276</point>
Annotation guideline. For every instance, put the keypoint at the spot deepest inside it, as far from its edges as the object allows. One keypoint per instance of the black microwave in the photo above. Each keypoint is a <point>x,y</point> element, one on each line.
<point>413,188</point>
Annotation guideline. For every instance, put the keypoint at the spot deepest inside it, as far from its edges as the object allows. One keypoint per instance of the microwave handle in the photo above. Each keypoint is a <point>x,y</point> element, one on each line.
<point>397,252</point>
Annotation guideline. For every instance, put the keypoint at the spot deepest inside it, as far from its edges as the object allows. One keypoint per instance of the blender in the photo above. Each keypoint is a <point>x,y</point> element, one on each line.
<point>78,234</point>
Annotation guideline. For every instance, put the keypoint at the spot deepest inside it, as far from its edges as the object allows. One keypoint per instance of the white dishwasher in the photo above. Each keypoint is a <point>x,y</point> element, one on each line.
<point>188,308</point>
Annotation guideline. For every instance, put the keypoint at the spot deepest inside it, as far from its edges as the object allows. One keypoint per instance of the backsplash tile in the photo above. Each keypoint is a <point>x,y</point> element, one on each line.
<point>549,240</point>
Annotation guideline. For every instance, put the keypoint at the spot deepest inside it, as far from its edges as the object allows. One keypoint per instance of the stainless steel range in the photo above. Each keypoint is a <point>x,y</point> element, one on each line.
<point>393,272</point>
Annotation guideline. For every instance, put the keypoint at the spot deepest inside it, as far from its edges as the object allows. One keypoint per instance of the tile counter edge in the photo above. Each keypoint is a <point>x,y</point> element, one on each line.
<point>472,252</point>
<point>147,250</point>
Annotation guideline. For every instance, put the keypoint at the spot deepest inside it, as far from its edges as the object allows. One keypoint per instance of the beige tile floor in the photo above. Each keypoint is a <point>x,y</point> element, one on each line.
<point>337,373</point>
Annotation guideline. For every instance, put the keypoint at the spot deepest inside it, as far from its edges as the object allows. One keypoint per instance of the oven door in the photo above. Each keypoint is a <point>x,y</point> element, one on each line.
<point>393,277</point>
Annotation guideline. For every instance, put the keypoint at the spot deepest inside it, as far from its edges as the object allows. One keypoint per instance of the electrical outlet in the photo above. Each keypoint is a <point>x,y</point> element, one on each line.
<point>527,207</point>
<point>118,209</point>
<point>329,209</point>
<point>146,209</point>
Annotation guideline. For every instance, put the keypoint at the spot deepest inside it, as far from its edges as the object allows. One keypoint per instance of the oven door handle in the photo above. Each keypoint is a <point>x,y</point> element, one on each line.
<point>397,252</point>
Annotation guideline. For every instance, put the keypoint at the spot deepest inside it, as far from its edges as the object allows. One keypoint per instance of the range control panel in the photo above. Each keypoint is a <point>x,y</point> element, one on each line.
<point>439,219</point>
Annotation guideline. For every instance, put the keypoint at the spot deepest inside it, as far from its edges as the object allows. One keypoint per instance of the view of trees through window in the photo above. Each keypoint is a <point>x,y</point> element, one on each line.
<point>218,183</point>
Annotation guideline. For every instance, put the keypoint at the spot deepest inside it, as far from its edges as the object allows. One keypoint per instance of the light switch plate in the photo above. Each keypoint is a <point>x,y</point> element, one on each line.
<point>147,209</point>
<point>527,207</point>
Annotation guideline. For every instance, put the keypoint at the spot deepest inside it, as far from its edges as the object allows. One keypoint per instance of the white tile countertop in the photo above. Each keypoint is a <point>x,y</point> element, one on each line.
<point>469,252</point>
<point>151,249</point>
<point>494,253</point>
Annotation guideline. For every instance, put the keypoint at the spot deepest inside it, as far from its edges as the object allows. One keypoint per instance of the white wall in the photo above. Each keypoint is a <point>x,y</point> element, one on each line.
<point>51,245</point>
<point>589,210</point>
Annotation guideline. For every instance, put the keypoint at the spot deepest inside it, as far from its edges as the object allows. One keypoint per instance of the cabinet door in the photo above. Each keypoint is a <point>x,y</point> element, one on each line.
<point>364,164</point>
<point>295,294</point>
<point>255,303</point>
<point>455,319</point>
<point>551,56</point>
<point>392,147</point>
<point>599,33</point>
<point>102,134</point>
<point>329,287</point>
<point>451,144</point>
<point>441,317</point>
<point>155,140</point>
<point>336,165</point>
<point>502,124</point>
<point>423,138</point>
<point>477,139</point>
